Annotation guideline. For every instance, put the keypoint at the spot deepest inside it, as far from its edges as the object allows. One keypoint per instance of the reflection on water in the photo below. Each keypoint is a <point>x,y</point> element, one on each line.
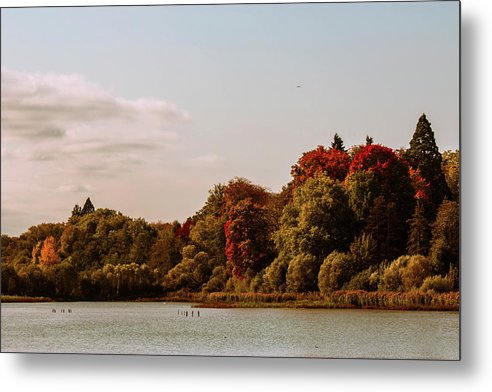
<point>158,328</point>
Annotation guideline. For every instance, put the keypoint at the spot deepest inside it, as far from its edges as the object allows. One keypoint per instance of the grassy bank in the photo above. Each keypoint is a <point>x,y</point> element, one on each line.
<point>357,299</point>
<point>337,300</point>
<point>19,298</point>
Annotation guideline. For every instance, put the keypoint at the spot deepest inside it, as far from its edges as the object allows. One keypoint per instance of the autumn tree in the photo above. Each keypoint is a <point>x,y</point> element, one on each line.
<point>424,155</point>
<point>451,170</point>
<point>48,254</point>
<point>381,194</point>
<point>332,162</point>
<point>248,241</point>
<point>445,244</point>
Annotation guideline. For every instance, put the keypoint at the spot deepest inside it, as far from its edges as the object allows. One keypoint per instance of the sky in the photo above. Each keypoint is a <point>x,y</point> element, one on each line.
<point>144,109</point>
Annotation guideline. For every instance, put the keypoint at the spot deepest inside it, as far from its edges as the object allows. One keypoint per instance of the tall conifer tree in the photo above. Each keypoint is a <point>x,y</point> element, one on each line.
<point>424,155</point>
<point>337,143</point>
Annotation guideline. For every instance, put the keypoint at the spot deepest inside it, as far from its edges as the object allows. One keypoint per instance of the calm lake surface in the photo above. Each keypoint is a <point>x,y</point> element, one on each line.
<point>158,328</point>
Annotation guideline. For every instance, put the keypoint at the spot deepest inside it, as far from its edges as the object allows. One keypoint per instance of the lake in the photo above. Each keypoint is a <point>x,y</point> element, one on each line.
<point>163,328</point>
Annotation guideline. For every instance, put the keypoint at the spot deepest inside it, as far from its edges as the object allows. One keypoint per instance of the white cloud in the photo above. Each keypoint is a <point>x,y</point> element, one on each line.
<point>206,161</point>
<point>49,106</point>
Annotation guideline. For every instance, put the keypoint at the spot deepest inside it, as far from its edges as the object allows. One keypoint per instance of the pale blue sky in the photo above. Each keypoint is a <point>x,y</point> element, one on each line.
<point>224,99</point>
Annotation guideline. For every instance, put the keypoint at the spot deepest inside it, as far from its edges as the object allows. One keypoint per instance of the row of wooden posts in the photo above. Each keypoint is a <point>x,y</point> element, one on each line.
<point>185,313</point>
<point>61,310</point>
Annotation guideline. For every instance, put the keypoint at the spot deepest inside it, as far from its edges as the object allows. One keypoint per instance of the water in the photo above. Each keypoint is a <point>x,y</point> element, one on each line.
<point>157,328</point>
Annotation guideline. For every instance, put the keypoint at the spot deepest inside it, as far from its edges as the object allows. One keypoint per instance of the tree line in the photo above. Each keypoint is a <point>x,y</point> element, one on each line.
<point>364,218</point>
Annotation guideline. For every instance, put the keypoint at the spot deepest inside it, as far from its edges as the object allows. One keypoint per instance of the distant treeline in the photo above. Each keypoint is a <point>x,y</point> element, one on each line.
<point>366,218</point>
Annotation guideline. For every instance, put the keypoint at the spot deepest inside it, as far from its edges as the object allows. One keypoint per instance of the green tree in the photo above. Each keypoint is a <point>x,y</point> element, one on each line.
<point>445,244</point>
<point>424,155</point>
<point>318,221</point>
<point>451,170</point>
<point>336,270</point>
<point>88,207</point>
<point>302,273</point>
<point>419,233</point>
<point>337,143</point>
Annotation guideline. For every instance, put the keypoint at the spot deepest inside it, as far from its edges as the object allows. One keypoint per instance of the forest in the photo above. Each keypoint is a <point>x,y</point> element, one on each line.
<point>367,218</point>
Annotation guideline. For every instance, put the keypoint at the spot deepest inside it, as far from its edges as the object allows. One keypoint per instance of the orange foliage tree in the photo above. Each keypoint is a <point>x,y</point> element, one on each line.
<point>48,254</point>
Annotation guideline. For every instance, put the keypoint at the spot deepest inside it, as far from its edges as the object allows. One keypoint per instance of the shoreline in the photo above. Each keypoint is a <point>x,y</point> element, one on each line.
<point>337,300</point>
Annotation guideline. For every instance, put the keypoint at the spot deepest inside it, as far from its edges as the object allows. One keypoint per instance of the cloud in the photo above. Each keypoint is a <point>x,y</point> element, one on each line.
<point>206,160</point>
<point>72,188</point>
<point>50,106</point>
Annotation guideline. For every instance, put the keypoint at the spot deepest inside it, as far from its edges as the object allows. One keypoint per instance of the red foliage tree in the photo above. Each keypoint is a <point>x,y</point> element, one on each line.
<point>248,243</point>
<point>332,162</point>
<point>183,231</point>
<point>247,228</point>
<point>241,189</point>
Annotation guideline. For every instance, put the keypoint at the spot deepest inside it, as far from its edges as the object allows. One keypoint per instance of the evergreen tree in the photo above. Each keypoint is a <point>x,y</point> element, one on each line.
<point>419,235</point>
<point>77,210</point>
<point>424,155</point>
<point>88,207</point>
<point>337,143</point>
<point>386,226</point>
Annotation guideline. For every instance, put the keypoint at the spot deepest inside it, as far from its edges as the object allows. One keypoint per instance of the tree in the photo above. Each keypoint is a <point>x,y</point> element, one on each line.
<point>302,274</point>
<point>419,233</point>
<point>445,244</point>
<point>337,143</point>
<point>88,207</point>
<point>386,226</point>
<point>336,270</point>
<point>276,274</point>
<point>318,221</point>
<point>248,242</point>
<point>332,162</point>
<point>208,234</point>
<point>49,255</point>
<point>424,155</point>
<point>248,227</point>
<point>451,169</point>
<point>215,204</point>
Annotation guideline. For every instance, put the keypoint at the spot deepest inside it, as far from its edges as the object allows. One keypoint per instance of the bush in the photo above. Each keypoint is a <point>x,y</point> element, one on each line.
<point>302,273</point>
<point>336,270</point>
<point>364,280</point>
<point>406,273</point>
<point>437,284</point>
<point>274,279</point>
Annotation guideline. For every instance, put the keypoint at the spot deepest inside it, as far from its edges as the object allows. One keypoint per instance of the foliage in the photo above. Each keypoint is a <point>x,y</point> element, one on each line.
<point>445,242</point>
<point>406,273</point>
<point>419,233</point>
<point>451,169</point>
<point>333,162</point>
<point>424,155</point>
<point>336,270</point>
<point>248,242</point>
<point>372,218</point>
<point>337,143</point>
<point>318,221</point>
<point>276,274</point>
<point>437,284</point>
<point>302,273</point>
